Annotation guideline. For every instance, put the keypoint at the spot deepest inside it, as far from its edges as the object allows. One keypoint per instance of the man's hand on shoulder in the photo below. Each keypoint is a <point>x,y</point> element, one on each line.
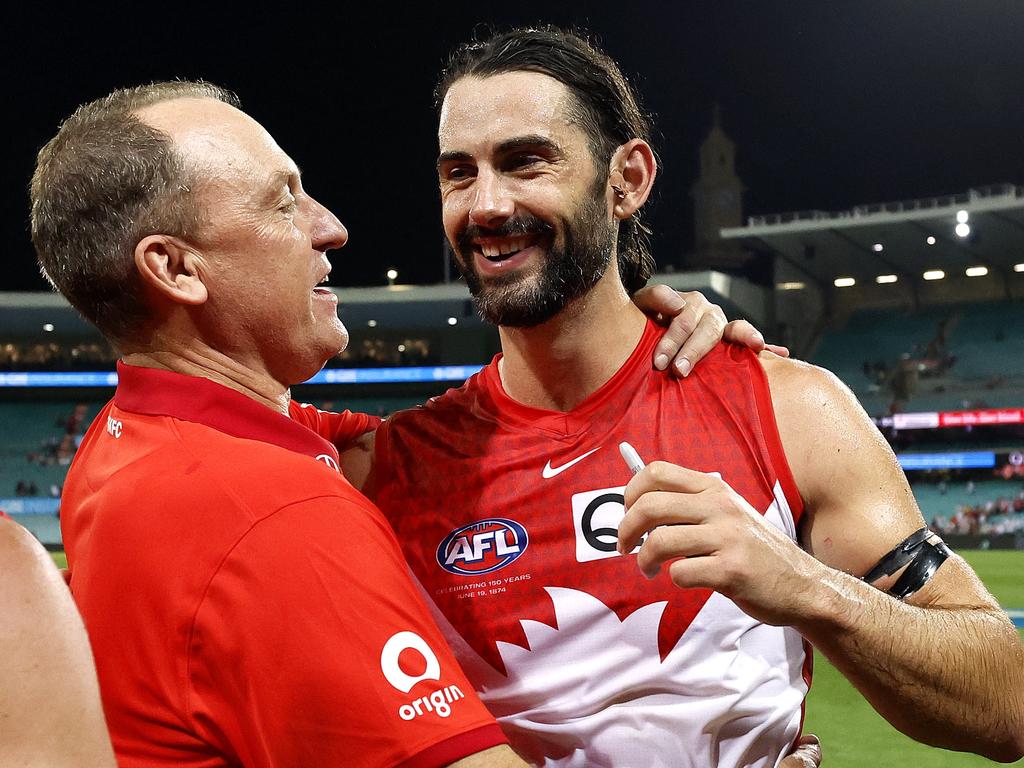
<point>695,326</point>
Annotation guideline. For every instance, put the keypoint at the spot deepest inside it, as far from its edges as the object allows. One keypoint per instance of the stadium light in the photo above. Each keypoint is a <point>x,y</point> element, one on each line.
<point>962,229</point>
<point>844,282</point>
<point>371,323</point>
<point>883,279</point>
<point>877,247</point>
<point>962,217</point>
<point>48,327</point>
<point>934,274</point>
<point>792,286</point>
<point>977,271</point>
<point>1018,267</point>
<point>452,320</point>
<point>930,240</point>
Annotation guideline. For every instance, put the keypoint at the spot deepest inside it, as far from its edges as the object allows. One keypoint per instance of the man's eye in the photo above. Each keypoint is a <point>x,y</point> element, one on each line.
<point>458,173</point>
<point>525,161</point>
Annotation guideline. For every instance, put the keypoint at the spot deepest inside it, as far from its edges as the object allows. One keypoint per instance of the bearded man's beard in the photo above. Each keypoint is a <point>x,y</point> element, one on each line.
<point>571,268</point>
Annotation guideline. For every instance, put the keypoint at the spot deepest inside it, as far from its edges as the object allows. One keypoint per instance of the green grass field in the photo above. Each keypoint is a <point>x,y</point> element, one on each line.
<point>852,734</point>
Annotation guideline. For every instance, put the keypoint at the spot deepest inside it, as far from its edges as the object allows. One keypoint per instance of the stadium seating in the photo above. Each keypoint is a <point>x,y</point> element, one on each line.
<point>28,428</point>
<point>943,502</point>
<point>977,362</point>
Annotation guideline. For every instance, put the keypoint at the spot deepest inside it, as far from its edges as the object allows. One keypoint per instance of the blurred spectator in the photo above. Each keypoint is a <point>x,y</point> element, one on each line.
<point>993,516</point>
<point>99,355</point>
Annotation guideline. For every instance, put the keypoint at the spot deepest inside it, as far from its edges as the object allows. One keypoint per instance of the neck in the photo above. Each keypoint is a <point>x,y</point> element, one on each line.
<point>198,359</point>
<point>560,363</point>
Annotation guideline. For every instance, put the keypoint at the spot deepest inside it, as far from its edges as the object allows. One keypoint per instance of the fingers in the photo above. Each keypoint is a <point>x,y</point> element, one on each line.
<point>659,300</point>
<point>673,541</point>
<point>663,476</point>
<point>807,754</point>
<point>658,508</point>
<point>674,338</point>
<point>742,332</point>
<point>703,338</point>
<point>660,303</point>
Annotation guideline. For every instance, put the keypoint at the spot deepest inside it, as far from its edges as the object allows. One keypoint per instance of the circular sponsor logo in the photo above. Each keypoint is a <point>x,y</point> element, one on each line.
<point>482,547</point>
<point>391,667</point>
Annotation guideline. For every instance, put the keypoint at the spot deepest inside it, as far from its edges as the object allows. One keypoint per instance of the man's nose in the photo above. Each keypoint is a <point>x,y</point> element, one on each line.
<point>328,232</point>
<point>492,202</point>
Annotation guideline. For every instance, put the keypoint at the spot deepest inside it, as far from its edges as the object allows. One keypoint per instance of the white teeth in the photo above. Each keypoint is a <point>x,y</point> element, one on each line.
<point>493,249</point>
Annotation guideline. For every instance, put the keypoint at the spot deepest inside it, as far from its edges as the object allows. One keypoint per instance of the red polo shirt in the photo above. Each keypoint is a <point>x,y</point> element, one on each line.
<point>246,606</point>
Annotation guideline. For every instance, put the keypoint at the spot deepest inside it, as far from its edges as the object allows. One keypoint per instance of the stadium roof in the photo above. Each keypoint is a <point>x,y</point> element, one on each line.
<point>904,238</point>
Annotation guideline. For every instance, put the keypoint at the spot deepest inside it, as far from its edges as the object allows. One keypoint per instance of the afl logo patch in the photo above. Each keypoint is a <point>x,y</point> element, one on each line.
<point>482,547</point>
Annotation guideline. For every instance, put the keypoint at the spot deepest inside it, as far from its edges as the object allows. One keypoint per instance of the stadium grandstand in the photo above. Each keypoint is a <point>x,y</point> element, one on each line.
<point>915,305</point>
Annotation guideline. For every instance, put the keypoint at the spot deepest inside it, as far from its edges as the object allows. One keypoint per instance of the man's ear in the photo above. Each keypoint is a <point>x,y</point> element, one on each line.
<point>631,177</point>
<point>171,268</point>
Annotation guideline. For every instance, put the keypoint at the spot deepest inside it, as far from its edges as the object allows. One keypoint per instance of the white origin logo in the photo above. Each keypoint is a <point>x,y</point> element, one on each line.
<point>438,701</point>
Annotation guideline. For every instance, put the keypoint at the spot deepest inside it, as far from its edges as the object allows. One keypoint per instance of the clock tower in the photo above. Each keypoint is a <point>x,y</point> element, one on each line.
<point>717,201</point>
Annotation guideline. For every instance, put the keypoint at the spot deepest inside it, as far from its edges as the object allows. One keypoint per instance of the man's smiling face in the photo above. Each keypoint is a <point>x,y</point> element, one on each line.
<point>523,199</point>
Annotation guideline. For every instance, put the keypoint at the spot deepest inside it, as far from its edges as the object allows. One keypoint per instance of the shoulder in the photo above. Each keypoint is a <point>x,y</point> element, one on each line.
<point>825,433</point>
<point>795,383</point>
<point>204,480</point>
<point>22,558</point>
<point>35,602</point>
<point>249,468</point>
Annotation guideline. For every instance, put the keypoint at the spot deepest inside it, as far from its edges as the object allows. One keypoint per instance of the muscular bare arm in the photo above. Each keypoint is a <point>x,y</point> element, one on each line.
<point>945,666</point>
<point>50,711</point>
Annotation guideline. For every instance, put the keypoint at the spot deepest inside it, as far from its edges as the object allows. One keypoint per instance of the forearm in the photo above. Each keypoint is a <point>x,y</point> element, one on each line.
<point>951,677</point>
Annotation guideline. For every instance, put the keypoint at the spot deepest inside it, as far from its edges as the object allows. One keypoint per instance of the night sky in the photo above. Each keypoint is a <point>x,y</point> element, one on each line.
<point>832,103</point>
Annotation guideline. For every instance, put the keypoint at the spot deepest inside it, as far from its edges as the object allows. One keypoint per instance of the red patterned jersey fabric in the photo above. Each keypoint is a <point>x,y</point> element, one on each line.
<point>508,515</point>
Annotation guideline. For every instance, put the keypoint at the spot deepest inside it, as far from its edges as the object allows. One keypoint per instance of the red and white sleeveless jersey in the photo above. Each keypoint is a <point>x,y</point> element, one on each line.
<point>508,516</point>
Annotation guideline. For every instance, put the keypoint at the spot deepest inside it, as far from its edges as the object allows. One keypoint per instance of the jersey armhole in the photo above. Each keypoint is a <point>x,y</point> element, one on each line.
<point>772,441</point>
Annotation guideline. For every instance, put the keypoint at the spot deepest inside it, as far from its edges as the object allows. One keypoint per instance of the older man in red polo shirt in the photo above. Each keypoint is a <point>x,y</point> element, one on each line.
<point>246,605</point>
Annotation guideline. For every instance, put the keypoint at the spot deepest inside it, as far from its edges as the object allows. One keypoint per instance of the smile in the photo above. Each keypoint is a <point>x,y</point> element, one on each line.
<point>498,249</point>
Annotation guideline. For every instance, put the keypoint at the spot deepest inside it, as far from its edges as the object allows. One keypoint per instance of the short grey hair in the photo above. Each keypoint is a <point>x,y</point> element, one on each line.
<point>104,182</point>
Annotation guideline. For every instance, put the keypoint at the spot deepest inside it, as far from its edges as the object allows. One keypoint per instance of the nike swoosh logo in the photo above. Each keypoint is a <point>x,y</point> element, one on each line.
<point>550,471</point>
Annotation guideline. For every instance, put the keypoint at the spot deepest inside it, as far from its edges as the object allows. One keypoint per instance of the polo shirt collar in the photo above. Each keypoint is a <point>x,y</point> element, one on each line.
<point>156,392</point>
